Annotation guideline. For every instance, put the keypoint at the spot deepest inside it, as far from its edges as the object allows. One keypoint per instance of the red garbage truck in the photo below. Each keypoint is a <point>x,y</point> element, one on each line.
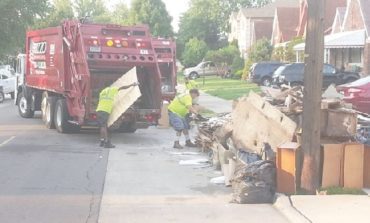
<point>166,56</point>
<point>65,68</point>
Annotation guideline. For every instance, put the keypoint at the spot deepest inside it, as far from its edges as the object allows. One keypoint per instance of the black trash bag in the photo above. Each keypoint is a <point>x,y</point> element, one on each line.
<point>255,183</point>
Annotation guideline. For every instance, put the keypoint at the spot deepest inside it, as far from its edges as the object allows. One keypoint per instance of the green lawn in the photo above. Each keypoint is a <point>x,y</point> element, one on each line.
<point>228,89</point>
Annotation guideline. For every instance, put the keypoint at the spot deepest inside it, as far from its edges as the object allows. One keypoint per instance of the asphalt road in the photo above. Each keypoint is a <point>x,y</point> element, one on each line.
<point>47,177</point>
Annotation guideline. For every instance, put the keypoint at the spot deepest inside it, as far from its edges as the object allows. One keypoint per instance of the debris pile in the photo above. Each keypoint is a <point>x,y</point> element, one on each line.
<point>207,129</point>
<point>243,144</point>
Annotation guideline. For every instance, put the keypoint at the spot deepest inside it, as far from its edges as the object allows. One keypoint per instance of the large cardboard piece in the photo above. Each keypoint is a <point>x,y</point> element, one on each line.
<point>256,122</point>
<point>354,166</point>
<point>332,175</point>
<point>125,98</point>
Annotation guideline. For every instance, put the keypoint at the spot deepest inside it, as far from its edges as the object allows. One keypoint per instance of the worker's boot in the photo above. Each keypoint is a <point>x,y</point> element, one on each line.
<point>109,145</point>
<point>177,145</point>
<point>190,144</point>
<point>102,143</point>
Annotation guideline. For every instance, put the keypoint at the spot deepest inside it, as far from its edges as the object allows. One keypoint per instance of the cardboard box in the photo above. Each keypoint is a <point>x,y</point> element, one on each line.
<point>333,162</point>
<point>354,157</point>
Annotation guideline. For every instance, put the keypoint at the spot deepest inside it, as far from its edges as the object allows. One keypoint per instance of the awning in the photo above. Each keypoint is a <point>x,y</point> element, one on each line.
<point>352,39</point>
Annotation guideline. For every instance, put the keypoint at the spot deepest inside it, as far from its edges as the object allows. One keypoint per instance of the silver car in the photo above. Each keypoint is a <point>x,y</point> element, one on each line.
<point>207,68</point>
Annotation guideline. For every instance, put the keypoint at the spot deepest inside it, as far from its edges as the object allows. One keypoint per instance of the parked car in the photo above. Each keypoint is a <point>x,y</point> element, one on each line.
<point>205,69</point>
<point>261,73</point>
<point>7,81</point>
<point>358,94</point>
<point>293,75</point>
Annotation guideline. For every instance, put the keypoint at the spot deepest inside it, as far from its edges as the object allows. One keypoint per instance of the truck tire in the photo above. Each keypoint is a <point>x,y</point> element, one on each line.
<point>24,106</point>
<point>61,118</point>
<point>128,127</point>
<point>48,110</point>
<point>266,81</point>
<point>193,75</point>
<point>2,97</point>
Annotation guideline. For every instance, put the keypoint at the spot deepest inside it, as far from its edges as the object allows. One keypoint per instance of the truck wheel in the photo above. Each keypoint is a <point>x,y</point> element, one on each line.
<point>267,82</point>
<point>24,107</point>
<point>2,97</point>
<point>193,76</point>
<point>48,110</point>
<point>61,118</point>
<point>128,127</point>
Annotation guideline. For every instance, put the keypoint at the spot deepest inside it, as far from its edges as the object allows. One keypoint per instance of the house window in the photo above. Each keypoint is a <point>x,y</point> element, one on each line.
<point>355,55</point>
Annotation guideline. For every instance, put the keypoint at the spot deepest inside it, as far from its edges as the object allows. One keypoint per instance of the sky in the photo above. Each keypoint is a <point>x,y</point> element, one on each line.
<point>174,7</point>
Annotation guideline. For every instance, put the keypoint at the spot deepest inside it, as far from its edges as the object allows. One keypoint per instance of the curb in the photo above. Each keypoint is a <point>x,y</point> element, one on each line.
<point>284,206</point>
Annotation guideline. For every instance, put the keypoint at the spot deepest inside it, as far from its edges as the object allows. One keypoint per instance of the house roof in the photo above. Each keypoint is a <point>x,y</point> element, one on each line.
<point>341,12</point>
<point>263,29</point>
<point>330,12</point>
<point>351,39</point>
<point>288,21</point>
<point>268,11</point>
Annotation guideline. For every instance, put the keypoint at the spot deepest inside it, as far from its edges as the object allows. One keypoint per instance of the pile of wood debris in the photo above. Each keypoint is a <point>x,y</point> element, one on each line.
<point>206,130</point>
<point>260,123</point>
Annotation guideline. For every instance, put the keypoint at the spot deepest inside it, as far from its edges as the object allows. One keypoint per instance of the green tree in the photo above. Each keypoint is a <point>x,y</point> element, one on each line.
<point>154,14</point>
<point>60,10</point>
<point>195,50</point>
<point>16,17</point>
<point>208,20</point>
<point>92,9</point>
<point>120,14</point>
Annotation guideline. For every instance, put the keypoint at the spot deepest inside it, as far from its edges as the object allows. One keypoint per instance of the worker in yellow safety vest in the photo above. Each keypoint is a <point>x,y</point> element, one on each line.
<point>104,109</point>
<point>179,110</point>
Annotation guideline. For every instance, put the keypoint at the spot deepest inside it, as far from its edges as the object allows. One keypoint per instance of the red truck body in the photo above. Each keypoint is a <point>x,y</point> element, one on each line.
<point>166,56</point>
<point>75,61</point>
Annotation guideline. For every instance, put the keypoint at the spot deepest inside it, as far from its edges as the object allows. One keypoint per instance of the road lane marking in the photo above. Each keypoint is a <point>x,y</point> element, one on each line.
<point>7,141</point>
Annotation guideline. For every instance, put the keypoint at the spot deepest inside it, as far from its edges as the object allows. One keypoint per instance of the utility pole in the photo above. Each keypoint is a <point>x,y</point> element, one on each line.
<point>314,59</point>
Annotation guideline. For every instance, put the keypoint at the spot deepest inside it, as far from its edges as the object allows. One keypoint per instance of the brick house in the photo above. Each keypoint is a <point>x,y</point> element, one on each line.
<point>285,24</point>
<point>338,20</point>
<point>251,24</point>
<point>348,46</point>
<point>330,13</point>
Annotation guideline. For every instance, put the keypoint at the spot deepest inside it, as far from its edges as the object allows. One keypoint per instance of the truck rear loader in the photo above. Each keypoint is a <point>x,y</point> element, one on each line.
<point>65,68</point>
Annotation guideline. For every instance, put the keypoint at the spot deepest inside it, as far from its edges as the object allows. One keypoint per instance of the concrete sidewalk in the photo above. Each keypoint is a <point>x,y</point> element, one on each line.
<point>325,209</point>
<point>215,104</point>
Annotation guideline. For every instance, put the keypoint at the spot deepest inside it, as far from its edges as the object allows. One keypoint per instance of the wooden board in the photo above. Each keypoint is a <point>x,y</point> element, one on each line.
<point>286,162</point>
<point>367,167</point>
<point>333,165</point>
<point>256,122</point>
<point>354,166</point>
<point>125,98</point>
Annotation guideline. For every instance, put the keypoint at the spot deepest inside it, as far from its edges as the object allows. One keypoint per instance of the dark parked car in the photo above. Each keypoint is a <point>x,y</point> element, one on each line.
<point>358,94</point>
<point>293,75</point>
<point>261,73</point>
